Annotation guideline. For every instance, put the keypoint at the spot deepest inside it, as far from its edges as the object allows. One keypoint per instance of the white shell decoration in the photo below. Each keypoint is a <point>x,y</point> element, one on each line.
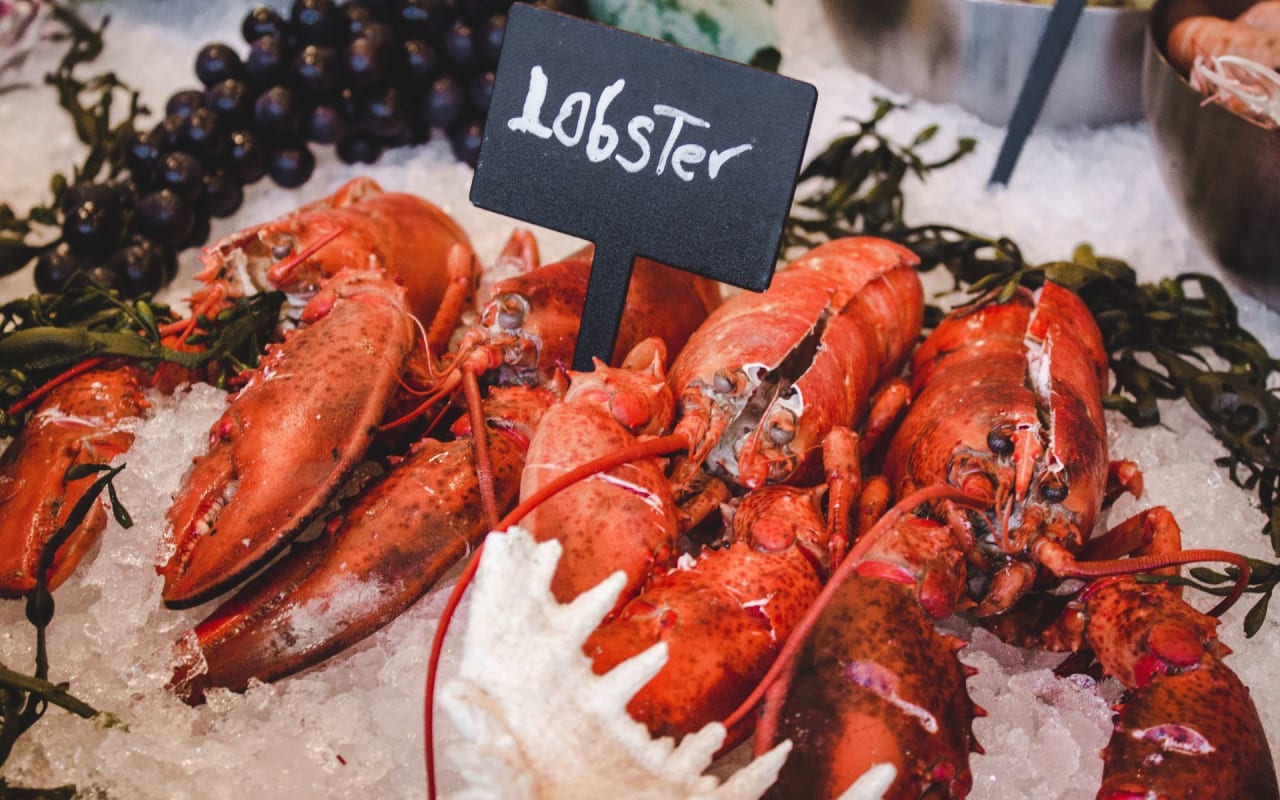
<point>537,722</point>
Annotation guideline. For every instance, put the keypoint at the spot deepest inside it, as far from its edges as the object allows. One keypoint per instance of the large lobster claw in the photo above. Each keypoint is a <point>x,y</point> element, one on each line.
<point>289,437</point>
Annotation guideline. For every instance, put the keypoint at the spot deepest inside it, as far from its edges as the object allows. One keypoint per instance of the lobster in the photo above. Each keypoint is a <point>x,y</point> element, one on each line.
<point>768,381</point>
<point>809,353</point>
<point>1001,464</point>
<point>83,420</point>
<point>372,265</point>
<point>398,537</point>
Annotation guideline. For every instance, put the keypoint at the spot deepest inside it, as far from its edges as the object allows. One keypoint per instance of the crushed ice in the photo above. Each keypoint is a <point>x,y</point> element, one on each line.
<point>352,727</point>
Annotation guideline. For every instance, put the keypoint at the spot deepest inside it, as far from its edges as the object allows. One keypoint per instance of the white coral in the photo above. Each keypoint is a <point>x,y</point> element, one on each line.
<point>538,723</point>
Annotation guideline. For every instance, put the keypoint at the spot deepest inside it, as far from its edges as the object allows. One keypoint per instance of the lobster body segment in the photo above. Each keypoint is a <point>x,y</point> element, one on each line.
<point>622,519</point>
<point>529,325</point>
<point>82,421</point>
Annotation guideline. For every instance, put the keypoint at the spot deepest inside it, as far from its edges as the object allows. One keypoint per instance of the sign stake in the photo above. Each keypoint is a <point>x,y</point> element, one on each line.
<point>606,295</point>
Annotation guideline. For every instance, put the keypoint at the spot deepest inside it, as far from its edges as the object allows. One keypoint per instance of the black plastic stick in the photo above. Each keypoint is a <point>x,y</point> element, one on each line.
<point>1044,66</point>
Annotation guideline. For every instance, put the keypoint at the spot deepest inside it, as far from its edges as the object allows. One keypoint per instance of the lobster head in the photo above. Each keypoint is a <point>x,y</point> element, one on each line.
<point>358,227</point>
<point>1009,410</point>
<point>636,394</point>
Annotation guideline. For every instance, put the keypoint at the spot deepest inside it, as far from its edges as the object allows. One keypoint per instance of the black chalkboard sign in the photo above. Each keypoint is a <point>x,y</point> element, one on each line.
<point>645,149</point>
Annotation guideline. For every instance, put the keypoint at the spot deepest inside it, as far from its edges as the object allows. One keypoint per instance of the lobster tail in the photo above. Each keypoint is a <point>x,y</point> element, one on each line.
<point>875,683</point>
<point>1186,714</point>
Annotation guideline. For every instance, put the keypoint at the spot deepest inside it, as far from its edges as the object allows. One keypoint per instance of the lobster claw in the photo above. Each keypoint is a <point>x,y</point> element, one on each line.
<point>79,422</point>
<point>270,467</point>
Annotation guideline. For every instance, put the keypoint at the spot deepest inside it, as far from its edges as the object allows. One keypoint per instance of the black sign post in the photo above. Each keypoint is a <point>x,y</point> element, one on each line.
<point>646,149</point>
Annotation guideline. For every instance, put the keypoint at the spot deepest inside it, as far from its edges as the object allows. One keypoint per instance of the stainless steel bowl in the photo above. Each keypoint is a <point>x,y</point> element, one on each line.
<point>1223,170</point>
<point>976,53</point>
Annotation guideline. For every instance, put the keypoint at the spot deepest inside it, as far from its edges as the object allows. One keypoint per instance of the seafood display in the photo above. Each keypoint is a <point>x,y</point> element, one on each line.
<point>297,531</point>
<point>771,388</point>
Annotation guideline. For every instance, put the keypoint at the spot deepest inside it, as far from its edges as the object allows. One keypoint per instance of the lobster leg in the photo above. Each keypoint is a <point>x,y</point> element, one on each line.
<point>373,562</point>
<point>79,422</point>
<point>1187,727</point>
<point>270,467</point>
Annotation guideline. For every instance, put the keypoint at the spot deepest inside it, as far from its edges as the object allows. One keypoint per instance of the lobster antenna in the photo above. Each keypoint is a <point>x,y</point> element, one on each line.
<point>659,446</point>
<point>480,443</point>
<point>1149,563</point>
<point>37,394</point>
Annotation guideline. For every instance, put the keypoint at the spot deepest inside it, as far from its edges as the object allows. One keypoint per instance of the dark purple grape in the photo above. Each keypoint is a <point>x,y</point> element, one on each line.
<point>262,21</point>
<point>473,11</point>
<point>314,74</point>
<point>141,152</point>
<point>200,228</point>
<point>420,63</point>
<point>466,140</point>
<point>489,38</point>
<point>182,103</point>
<point>359,148</point>
<point>164,217</point>
<point>459,46</point>
<point>423,19</point>
<point>365,63</point>
<point>315,22</point>
<point>231,100</point>
<point>355,17</point>
<point>92,226</point>
<point>56,268</point>
<point>181,173</point>
<point>168,133</point>
<point>216,63</point>
<point>142,267</point>
<point>324,125</point>
<point>223,194</point>
<point>246,158</point>
<point>444,102</point>
<point>384,10</point>
<point>480,92</point>
<point>205,134</point>
<point>381,114</point>
<point>292,165</point>
<point>85,191</point>
<point>267,62</point>
<point>277,111</point>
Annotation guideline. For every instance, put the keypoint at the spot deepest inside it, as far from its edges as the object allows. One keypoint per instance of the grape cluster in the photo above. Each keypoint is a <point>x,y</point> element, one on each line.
<point>362,75</point>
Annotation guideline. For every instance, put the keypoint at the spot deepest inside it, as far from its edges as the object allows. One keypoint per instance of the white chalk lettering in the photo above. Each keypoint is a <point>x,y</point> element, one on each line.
<point>528,121</point>
<point>634,127</point>
<point>597,152</point>
<point>679,149</point>
<point>718,158</point>
<point>686,155</point>
<point>566,110</point>
<point>680,118</point>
